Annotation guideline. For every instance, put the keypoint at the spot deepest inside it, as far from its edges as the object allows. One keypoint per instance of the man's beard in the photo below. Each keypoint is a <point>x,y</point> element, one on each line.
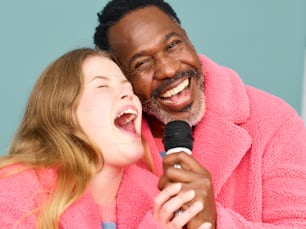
<point>194,113</point>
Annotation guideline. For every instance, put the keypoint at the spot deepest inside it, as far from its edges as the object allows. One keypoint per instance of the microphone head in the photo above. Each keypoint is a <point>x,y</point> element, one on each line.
<point>177,133</point>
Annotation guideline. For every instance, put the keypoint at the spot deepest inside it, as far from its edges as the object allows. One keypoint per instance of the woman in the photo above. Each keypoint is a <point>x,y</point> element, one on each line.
<point>71,162</point>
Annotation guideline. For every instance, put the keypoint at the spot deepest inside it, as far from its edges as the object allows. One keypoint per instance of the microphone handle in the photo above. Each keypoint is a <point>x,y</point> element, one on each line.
<point>179,149</point>
<point>178,166</point>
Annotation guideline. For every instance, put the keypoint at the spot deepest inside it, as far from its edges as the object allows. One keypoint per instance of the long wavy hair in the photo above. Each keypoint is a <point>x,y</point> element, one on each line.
<point>50,135</point>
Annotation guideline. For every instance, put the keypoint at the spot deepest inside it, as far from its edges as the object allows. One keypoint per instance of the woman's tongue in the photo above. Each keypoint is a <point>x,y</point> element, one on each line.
<point>126,122</point>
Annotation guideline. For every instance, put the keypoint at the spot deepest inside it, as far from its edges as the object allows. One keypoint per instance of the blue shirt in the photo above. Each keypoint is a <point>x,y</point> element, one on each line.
<point>109,225</point>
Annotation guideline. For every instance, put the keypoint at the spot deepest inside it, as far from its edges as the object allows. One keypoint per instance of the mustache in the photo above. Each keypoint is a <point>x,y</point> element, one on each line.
<point>190,73</point>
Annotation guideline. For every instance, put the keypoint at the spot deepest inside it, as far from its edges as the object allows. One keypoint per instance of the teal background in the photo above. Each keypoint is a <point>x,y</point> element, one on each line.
<point>263,40</point>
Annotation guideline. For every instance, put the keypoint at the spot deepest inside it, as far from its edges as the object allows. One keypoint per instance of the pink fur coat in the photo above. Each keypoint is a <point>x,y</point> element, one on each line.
<point>19,194</point>
<point>254,145</point>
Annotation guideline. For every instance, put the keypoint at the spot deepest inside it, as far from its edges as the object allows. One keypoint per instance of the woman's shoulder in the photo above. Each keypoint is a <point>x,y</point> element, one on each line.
<point>19,195</point>
<point>17,180</point>
<point>20,182</point>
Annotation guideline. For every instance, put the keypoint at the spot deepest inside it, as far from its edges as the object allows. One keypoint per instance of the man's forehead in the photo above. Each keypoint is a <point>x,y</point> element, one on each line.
<point>139,30</point>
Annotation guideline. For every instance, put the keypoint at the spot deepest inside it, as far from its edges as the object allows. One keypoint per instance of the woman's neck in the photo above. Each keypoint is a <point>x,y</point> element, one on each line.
<point>105,184</point>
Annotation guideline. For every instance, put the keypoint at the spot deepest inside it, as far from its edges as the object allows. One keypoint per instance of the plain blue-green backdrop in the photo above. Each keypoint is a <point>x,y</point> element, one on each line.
<point>263,40</point>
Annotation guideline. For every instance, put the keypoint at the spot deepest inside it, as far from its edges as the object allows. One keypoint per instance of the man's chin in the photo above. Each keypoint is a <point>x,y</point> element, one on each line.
<point>191,117</point>
<point>192,114</point>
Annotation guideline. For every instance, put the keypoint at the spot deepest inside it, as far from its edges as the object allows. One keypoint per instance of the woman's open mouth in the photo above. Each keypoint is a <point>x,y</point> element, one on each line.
<point>125,120</point>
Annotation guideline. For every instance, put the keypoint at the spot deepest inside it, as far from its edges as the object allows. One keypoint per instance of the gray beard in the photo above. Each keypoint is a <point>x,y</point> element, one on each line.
<point>195,113</point>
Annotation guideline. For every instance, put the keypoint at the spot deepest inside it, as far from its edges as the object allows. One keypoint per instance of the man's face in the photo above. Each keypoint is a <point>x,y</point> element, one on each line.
<point>158,59</point>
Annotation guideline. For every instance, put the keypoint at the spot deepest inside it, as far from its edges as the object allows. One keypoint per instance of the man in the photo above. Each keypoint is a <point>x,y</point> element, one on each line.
<point>248,164</point>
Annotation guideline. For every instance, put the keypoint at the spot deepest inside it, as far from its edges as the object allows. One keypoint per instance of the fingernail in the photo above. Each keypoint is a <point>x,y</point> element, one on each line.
<point>205,226</point>
<point>177,186</point>
<point>190,193</point>
<point>198,205</point>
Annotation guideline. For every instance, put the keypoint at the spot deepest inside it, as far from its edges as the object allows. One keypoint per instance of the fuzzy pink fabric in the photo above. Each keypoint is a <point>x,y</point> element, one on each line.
<point>20,194</point>
<point>254,145</point>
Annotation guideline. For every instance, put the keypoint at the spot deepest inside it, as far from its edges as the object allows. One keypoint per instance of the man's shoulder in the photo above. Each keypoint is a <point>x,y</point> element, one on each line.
<point>262,101</point>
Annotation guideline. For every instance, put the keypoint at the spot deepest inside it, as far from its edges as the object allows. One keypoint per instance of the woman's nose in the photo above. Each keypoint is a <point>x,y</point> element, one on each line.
<point>126,92</point>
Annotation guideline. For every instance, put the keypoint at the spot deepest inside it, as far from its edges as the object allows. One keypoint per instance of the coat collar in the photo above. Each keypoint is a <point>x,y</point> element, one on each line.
<point>135,196</point>
<point>219,146</point>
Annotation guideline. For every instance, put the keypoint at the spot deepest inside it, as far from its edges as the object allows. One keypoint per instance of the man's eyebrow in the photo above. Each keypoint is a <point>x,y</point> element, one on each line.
<point>169,35</point>
<point>134,57</point>
<point>142,52</point>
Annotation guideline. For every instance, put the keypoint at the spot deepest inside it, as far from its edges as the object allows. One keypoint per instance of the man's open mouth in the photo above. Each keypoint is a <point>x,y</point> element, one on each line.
<point>177,95</point>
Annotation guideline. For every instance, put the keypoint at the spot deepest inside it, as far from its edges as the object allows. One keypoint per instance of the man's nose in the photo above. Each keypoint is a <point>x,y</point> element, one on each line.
<point>166,67</point>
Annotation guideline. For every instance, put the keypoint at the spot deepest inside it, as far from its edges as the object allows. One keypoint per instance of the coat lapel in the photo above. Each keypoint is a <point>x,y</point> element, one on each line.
<point>219,146</point>
<point>220,141</point>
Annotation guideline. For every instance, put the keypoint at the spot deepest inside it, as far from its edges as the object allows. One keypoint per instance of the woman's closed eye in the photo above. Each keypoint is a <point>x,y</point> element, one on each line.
<point>103,86</point>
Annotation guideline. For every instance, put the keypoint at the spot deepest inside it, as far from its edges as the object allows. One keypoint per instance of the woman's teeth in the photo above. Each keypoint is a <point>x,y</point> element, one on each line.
<point>126,117</point>
<point>176,90</point>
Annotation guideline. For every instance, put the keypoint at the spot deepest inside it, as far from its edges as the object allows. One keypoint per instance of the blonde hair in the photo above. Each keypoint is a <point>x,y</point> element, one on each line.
<point>50,136</point>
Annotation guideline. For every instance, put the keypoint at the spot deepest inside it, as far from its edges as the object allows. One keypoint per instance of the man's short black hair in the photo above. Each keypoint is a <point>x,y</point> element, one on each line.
<point>116,9</point>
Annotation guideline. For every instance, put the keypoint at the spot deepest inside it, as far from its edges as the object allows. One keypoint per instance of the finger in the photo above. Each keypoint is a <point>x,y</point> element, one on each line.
<point>167,178</point>
<point>172,205</point>
<point>188,214</point>
<point>174,175</point>
<point>165,195</point>
<point>184,160</point>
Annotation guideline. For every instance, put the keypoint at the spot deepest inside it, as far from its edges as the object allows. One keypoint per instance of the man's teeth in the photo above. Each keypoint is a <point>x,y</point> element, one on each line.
<point>176,90</point>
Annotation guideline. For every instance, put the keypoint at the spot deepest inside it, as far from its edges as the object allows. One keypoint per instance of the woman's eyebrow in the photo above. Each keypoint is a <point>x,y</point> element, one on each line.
<point>99,77</point>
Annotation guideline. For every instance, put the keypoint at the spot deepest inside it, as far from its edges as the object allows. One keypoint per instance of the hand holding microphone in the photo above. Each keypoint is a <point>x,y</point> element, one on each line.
<point>192,175</point>
<point>178,138</point>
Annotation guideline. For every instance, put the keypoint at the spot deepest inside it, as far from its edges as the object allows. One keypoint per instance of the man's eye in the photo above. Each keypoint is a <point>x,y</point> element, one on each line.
<point>139,64</point>
<point>173,44</point>
<point>143,63</point>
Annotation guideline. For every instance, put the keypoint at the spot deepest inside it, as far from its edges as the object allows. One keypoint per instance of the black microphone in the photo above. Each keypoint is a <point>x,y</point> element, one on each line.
<point>178,137</point>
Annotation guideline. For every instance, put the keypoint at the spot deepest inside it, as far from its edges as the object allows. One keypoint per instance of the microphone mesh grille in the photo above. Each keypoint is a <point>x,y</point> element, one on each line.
<point>177,133</point>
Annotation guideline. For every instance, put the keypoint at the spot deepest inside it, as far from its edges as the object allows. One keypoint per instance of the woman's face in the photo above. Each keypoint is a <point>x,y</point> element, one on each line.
<point>110,113</point>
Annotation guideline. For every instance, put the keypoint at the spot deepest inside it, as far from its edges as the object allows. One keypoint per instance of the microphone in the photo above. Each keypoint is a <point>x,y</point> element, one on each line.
<point>178,137</point>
